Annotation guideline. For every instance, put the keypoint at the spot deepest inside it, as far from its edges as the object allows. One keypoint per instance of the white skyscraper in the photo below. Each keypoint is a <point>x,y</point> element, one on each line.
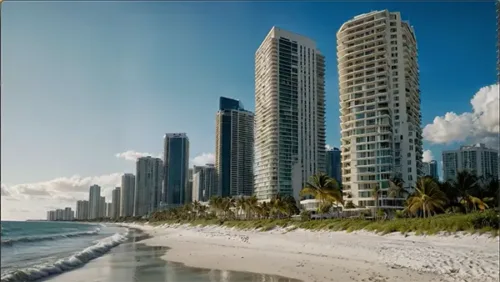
<point>204,183</point>
<point>290,113</point>
<point>477,159</point>
<point>82,210</point>
<point>380,115</point>
<point>127,195</point>
<point>94,201</point>
<point>148,185</point>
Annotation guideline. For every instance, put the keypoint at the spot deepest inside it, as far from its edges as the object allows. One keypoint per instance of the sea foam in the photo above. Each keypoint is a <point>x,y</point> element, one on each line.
<point>62,265</point>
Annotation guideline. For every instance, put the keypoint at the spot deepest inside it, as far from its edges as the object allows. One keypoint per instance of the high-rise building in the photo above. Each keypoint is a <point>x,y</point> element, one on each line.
<point>94,201</point>
<point>59,214</point>
<point>82,210</point>
<point>333,167</point>
<point>127,195</point>
<point>109,210</point>
<point>289,115</point>
<point>148,185</point>
<point>430,169</point>
<point>68,214</point>
<point>115,203</point>
<point>204,183</point>
<point>176,166</point>
<point>380,115</point>
<point>477,159</point>
<point>102,207</point>
<point>234,147</point>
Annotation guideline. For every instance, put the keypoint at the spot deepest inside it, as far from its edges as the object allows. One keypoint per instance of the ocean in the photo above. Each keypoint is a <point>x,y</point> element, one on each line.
<point>33,250</point>
<point>79,252</point>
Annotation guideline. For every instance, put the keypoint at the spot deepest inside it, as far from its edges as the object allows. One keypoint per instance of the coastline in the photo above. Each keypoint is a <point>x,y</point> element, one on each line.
<point>330,256</point>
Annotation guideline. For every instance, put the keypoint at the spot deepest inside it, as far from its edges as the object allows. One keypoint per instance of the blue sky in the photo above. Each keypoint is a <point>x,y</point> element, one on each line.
<point>83,81</point>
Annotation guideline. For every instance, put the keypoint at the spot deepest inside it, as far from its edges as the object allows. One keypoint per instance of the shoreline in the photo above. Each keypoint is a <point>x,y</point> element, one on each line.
<point>329,255</point>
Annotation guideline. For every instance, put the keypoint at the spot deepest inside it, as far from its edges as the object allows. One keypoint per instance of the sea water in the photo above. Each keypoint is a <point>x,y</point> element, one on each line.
<point>32,250</point>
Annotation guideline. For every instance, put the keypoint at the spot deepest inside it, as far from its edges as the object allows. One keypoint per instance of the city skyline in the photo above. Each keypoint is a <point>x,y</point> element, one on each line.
<point>63,180</point>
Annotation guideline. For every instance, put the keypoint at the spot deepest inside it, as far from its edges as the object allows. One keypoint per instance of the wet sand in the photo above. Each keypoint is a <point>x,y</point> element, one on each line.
<point>135,261</point>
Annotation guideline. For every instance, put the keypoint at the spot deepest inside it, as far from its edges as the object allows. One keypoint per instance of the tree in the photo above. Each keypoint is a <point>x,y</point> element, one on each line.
<point>467,184</point>
<point>324,189</point>
<point>427,197</point>
<point>396,188</point>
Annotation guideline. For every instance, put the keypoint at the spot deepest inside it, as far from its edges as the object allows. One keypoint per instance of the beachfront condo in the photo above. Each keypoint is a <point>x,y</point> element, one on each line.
<point>127,195</point>
<point>380,115</point>
<point>176,169</point>
<point>477,159</point>
<point>234,147</point>
<point>148,185</point>
<point>82,210</point>
<point>94,201</point>
<point>204,183</point>
<point>290,113</point>
<point>115,203</point>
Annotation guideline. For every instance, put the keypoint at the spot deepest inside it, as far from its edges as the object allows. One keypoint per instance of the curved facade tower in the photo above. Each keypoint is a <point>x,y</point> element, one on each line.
<point>381,136</point>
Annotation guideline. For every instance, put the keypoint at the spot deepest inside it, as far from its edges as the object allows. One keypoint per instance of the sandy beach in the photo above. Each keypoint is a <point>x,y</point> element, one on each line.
<point>331,256</point>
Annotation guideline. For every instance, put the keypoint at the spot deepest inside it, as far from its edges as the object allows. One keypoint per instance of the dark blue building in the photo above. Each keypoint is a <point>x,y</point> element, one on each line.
<point>176,169</point>
<point>234,153</point>
<point>333,164</point>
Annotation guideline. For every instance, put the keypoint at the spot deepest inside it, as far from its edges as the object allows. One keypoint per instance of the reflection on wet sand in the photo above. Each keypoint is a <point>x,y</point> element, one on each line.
<point>134,261</point>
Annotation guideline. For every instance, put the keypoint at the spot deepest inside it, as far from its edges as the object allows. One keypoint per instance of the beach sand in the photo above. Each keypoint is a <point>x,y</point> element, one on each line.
<point>331,256</point>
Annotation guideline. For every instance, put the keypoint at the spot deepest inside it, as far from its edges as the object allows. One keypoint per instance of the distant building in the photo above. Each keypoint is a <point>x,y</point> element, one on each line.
<point>333,166</point>
<point>68,214</point>
<point>127,195</point>
<point>82,210</point>
<point>59,214</point>
<point>115,203</point>
<point>102,207</point>
<point>51,215</point>
<point>148,185</point>
<point>430,169</point>
<point>109,210</point>
<point>94,201</point>
<point>234,149</point>
<point>204,183</point>
<point>176,169</point>
<point>476,158</point>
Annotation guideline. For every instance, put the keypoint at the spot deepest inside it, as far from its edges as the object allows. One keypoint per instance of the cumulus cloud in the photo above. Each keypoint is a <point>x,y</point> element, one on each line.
<point>63,188</point>
<point>427,156</point>
<point>328,147</point>
<point>482,124</point>
<point>5,191</point>
<point>132,155</point>
<point>203,159</point>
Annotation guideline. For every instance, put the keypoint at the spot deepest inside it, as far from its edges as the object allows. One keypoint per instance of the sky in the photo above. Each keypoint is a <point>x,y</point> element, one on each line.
<point>87,87</point>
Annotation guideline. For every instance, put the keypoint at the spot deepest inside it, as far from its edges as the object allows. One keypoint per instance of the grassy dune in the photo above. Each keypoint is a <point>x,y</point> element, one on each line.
<point>484,222</point>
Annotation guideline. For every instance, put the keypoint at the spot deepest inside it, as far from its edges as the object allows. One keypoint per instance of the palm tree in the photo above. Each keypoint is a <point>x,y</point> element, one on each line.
<point>375,195</point>
<point>396,188</point>
<point>427,197</point>
<point>324,189</point>
<point>466,184</point>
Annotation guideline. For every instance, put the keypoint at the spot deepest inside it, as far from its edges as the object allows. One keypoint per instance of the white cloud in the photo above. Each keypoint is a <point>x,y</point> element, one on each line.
<point>328,147</point>
<point>66,189</point>
<point>132,155</point>
<point>427,156</point>
<point>203,159</point>
<point>482,124</point>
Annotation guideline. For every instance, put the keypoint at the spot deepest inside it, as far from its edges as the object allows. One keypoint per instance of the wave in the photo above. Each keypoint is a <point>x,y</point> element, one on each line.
<point>10,242</point>
<point>66,264</point>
